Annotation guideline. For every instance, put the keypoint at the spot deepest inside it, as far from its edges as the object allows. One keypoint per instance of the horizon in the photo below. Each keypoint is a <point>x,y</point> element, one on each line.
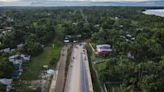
<point>56,3</point>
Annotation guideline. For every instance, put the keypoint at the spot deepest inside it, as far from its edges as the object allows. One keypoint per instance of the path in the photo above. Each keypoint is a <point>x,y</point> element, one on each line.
<point>58,80</point>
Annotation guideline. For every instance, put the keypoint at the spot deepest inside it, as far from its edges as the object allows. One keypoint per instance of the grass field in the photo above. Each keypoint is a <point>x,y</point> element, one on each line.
<point>101,66</point>
<point>34,67</point>
<point>96,87</point>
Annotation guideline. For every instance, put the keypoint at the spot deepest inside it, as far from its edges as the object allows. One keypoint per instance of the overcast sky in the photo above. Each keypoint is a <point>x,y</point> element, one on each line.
<point>82,0</point>
<point>55,3</point>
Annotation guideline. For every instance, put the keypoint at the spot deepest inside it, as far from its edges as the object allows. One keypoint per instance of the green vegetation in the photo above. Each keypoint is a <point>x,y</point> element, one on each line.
<point>21,86</point>
<point>128,30</point>
<point>49,56</point>
<point>2,88</point>
<point>136,62</point>
<point>101,66</point>
<point>69,53</point>
<point>6,68</point>
<point>96,86</point>
<point>33,69</point>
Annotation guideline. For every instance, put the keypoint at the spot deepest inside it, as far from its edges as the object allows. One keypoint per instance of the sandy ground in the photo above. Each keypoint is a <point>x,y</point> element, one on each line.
<point>58,80</point>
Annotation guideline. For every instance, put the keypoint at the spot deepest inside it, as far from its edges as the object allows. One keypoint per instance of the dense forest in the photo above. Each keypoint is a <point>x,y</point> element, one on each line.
<point>127,30</point>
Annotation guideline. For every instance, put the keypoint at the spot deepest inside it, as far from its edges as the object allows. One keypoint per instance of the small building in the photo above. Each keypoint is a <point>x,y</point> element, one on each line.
<point>7,83</point>
<point>97,25</point>
<point>12,50</point>
<point>19,46</point>
<point>67,38</point>
<point>8,29</point>
<point>26,57</point>
<point>66,41</point>
<point>130,56</point>
<point>6,50</point>
<point>15,59</point>
<point>4,32</point>
<point>103,49</point>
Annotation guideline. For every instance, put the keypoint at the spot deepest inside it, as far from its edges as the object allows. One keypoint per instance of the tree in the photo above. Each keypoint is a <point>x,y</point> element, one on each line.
<point>32,48</point>
<point>6,69</point>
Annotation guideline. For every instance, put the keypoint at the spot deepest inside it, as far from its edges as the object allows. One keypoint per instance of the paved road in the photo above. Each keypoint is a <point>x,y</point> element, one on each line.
<point>58,80</point>
<point>79,78</point>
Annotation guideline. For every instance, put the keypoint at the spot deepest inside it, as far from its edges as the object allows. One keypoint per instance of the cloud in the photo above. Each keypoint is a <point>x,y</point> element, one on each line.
<point>9,0</point>
<point>90,3</point>
<point>121,0</point>
<point>81,0</point>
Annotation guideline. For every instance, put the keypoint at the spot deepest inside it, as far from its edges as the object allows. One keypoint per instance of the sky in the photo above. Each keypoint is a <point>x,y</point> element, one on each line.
<point>80,0</point>
<point>85,3</point>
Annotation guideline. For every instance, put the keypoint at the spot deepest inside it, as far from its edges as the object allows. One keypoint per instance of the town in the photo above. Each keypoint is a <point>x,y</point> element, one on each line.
<point>81,49</point>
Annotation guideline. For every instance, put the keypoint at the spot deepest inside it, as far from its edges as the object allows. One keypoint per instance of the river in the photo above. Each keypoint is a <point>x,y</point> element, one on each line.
<point>157,12</point>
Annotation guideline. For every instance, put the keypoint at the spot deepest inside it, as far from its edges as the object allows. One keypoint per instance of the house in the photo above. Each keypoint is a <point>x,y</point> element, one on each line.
<point>97,25</point>
<point>130,56</point>
<point>7,83</point>
<point>26,57</point>
<point>66,41</point>
<point>10,19</point>
<point>6,50</point>
<point>12,50</point>
<point>74,23</point>
<point>12,58</point>
<point>19,46</point>
<point>8,28</point>
<point>129,38</point>
<point>116,18</point>
<point>18,59</point>
<point>103,49</point>
<point>4,32</point>
<point>67,38</point>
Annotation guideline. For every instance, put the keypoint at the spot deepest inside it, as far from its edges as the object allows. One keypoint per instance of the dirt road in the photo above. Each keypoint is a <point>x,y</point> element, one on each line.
<point>58,80</point>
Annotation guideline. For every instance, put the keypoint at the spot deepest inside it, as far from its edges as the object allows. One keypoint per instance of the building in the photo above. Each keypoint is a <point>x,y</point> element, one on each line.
<point>103,49</point>
<point>25,57</point>
<point>67,38</point>
<point>130,56</point>
<point>66,41</point>
<point>17,61</point>
<point>6,50</point>
<point>7,83</point>
<point>19,46</point>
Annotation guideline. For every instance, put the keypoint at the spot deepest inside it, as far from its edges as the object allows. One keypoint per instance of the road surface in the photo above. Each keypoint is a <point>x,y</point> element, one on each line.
<point>79,78</point>
<point>58,81</point>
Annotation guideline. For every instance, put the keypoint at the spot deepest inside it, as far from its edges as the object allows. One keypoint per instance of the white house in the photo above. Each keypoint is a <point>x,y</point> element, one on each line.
<point>26,57</point>
<point>6,50</point>
<point>19,59</point>
<point>19,46</point>
<point>130,56</point>
<point>103,49</point>
<point>5,81</point>
<point>66,41</point>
